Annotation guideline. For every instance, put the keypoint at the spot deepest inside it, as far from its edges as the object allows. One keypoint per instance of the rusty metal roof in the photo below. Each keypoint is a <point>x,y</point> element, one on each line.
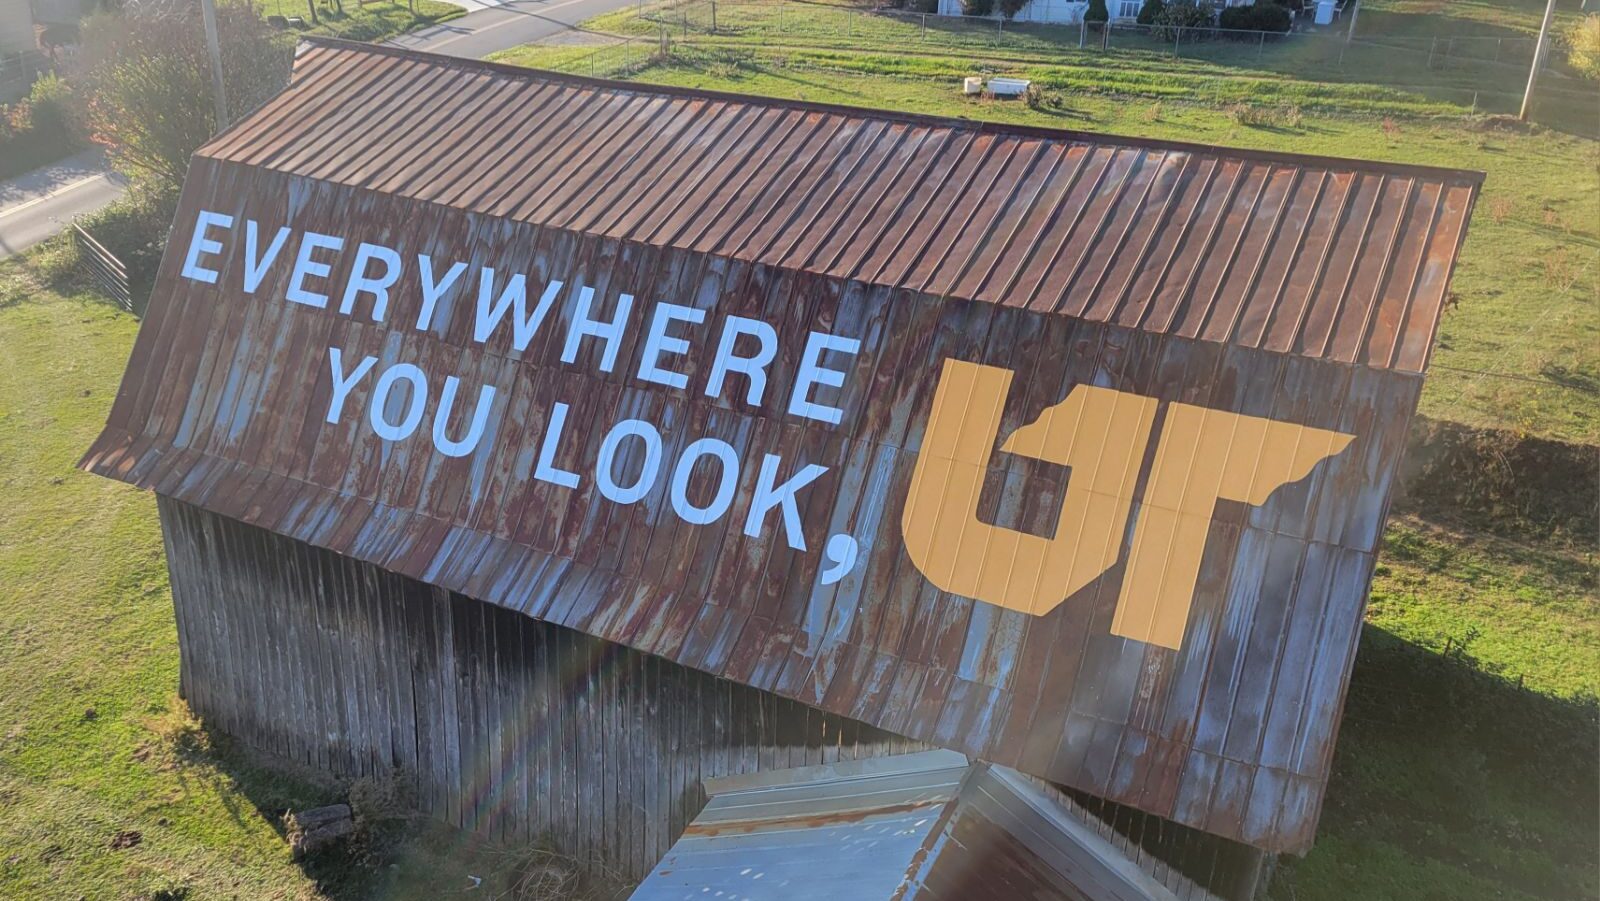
<point>1325,258</point>
<point>1134,294</point>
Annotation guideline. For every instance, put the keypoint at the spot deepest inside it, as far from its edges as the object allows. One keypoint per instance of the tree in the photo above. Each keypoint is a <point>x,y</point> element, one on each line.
<point>1010,8</point>
<point>1097,12</point>
<point>148,79</point>
<point>1180,14</point>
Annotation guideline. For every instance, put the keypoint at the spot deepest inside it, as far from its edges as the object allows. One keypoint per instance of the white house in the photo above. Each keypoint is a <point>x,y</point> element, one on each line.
<point>1070,12</point>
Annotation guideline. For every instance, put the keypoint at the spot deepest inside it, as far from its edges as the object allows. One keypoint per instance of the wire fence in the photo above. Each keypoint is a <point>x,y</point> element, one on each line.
<point>1425,75</point>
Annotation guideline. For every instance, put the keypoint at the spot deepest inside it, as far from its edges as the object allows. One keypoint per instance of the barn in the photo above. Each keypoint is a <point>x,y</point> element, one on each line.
<point>592,455</point>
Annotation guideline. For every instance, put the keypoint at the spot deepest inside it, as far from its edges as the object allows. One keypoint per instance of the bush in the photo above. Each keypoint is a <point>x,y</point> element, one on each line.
<point>1097,12</point>
<point>977,7</point>
<point>1180,14</point>
<point>1010,8</point>
<point>1150,11</point>
<point>923,6</point>
<point>1260,17</point>
<point>38,129</point>
<point>51,103</point>
<point>1583,43</point>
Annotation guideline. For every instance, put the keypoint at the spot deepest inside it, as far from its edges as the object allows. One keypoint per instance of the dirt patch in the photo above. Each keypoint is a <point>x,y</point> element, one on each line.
<point>127,838</point>
<point>1502,482</point>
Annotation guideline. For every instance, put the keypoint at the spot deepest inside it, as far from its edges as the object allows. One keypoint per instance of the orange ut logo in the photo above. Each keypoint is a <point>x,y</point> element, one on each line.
<point>1203,455</point>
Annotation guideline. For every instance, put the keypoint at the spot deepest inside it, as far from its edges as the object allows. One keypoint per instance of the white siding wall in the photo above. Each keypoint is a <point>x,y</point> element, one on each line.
<point>1060,12</point>
<point>16,26</point>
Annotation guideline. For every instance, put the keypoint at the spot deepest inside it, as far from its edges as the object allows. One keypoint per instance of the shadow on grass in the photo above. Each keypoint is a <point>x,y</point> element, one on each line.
<point>1455,778</point>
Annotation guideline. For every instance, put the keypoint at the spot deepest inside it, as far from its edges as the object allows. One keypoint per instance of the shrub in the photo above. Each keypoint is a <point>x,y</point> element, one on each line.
<point>923,6</point>
<point>977,7</point>
<point>1260,17</point>
<point>1150,11</point>
<point>1010,8</point>
<point>1097,12</point>
<point>51,103</point>
<point>1180,14</point>
<point>1583,46</point>
<point>38,129</point>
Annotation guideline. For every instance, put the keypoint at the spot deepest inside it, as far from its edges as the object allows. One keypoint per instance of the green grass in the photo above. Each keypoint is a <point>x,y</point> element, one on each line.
<point>1527,286</point>
<point>366,22</point>
<point>1529,612</point>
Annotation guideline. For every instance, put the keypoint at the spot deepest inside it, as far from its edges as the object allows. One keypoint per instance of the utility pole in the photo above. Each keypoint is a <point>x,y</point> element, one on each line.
<point>1539,50</point>
<point>208,12</point>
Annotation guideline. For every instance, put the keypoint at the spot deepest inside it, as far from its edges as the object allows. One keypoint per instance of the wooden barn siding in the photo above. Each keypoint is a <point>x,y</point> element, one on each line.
<point>516,728</point>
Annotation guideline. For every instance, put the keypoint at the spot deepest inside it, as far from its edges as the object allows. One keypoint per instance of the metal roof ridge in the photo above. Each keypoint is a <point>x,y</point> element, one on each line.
<point>1472,176</point>
<point>864,769</point>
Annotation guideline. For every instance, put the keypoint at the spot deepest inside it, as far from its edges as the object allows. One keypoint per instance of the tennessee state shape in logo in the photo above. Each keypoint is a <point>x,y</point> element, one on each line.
<point>1203,455</point>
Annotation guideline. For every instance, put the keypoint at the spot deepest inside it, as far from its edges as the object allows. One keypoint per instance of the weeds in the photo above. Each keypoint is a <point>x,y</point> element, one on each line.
<point>1252,116</point>
<point>1559,271</point>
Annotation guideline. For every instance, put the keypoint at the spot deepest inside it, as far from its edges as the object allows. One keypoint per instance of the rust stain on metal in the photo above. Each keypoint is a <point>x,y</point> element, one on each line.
<point>327,268</point>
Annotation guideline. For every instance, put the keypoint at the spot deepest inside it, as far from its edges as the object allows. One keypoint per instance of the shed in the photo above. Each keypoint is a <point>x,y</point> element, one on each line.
<point>909,828</point>
<point>1067,452</point>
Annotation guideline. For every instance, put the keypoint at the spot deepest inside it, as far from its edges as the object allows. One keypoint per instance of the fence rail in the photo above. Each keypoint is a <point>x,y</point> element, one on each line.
<point>103,266</point>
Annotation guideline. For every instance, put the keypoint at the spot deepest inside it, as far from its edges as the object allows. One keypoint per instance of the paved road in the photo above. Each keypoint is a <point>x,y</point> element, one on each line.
<point>37,205</point>
<point>505,25</point>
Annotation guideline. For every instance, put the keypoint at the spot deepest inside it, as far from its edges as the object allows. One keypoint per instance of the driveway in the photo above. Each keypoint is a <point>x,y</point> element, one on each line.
<point>40,203</point>
<point>499,27</point>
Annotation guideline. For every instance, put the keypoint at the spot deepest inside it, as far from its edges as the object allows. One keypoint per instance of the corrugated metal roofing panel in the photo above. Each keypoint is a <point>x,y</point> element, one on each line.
<point>914,827</point>
<point>780,194</point>
<point>1020,322</point>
